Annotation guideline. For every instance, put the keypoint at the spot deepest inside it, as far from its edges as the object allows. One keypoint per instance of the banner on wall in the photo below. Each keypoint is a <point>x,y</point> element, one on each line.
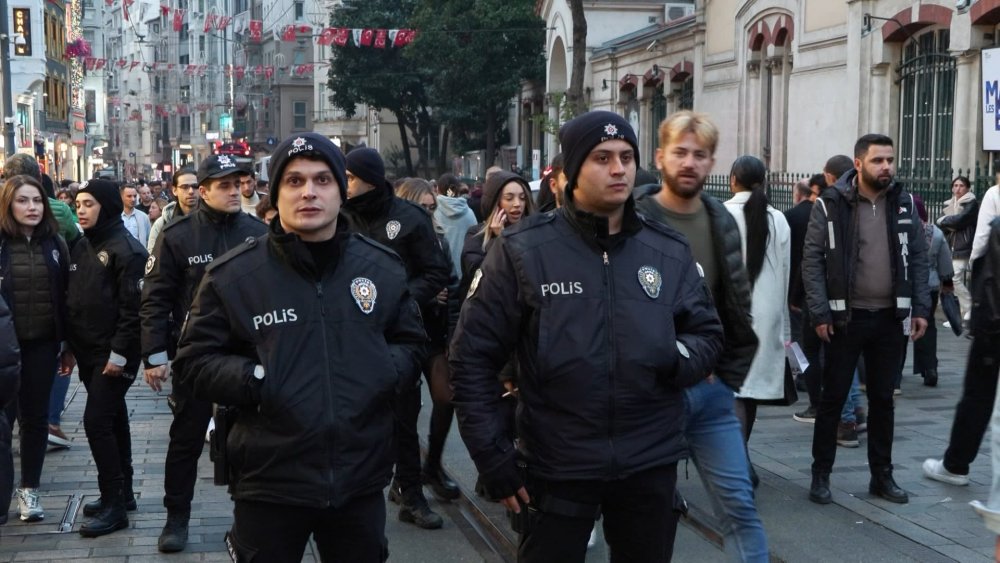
<point>990,85</point>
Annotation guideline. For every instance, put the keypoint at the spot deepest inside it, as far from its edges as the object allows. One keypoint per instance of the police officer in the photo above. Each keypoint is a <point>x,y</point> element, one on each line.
<point>609,319</point>
<point>105,287</point>
<point>185,248</point>
<point>405,228</point>
<point>307,331</point>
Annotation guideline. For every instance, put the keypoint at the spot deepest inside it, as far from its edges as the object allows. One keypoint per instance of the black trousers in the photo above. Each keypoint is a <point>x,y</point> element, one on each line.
<point>975,408</point>
<point>812,347</point>
<point>878,337</point>
<point>6,466</point>
<point>406,406</point>
<point>636,511</point>
<point>925,349</point>
<point>187,440</point>
<point>273,533</point>
<point>105,420</point>
<point>39,362</point>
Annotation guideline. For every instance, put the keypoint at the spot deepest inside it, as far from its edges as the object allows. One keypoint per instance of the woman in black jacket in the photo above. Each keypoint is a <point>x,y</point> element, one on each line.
<point>34,264</point>
<point>105,287</point>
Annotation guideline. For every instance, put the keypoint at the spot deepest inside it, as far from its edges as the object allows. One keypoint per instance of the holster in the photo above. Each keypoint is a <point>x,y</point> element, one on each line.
<point>544,503</point>
<point>225,417</point>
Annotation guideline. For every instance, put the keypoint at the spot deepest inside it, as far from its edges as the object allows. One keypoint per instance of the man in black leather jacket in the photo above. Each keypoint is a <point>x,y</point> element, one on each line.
<point>309,332</point>
<point>182,253</point>
<point>610,320</point>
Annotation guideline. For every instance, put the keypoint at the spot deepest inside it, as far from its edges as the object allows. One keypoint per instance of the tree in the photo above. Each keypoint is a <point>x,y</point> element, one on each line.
<point>574,95</point>
<point>380,78</point>
<point>476,55</point>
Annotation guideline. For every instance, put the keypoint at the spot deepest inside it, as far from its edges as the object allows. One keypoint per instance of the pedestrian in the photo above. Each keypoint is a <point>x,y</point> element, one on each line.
<point>685,158</point>
<point>10,375</point>
<point>940,280</point>
<point>324,332</point>
<point>766,240</point>
<point>798,218</point>
<point>186,198</point>
<point>435,366</point>
<point>249,198</point>
<point>609,319</point>
<point>374,211</point>
<point>959,226</point>
<point>136,221</point>
<point>265,211</point>
<point>183,251</point>
<point>105,287</point>
<point>21,163</point>
<point>145,198</point>
<point>454,217</point>
<point>864,268</point>
<point>155,210</point>
<point>550,189</point>
<point>34,265</point>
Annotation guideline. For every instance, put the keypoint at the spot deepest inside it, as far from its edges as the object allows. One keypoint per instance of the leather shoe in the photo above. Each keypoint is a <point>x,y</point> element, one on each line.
<point>883,485</point>
<point>442,485</point>
<point>931,378</point>
<point>819,491</point>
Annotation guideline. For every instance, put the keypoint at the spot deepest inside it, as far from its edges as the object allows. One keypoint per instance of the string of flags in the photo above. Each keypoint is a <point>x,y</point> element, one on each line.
<point>238,71</point>
<point>339,36</point>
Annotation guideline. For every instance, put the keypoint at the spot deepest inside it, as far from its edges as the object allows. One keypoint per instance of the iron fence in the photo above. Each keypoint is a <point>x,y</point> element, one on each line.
<point>934,189</point>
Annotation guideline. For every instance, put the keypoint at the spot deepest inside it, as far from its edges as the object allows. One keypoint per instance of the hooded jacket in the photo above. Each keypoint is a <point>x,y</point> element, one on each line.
<point>829,254</point>
<point>959,224</point>
<point>105,288</point>
<point>311,358</point>
<point>455,218</point>
<point>607,331</point>
<point>734,305</point>
<point>406,229</point>
<point>170,211</point>
<point>173,271</point>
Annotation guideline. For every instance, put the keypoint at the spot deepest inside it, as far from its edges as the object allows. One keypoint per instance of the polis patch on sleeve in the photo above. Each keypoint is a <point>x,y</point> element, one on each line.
<point>364,293</point>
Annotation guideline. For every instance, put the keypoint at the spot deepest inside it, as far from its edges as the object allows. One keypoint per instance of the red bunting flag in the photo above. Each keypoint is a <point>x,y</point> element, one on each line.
<point>209,23</point>
<point>89,62</point>
<point>202,69</point>
<point>99,64</point>
<point>122,63</point>
<point>326,36</point>
<point>404,37</point>
<point>125,6</point>
<point>164,10</point>
<point>222,22</point>
<point>304,28</point>
<point>288,34</point>
<point>380,36</point>
<point>366,37</point>
<point>268,71</point>
<point>133,65</point>
<point>340,36</point>
<point>147,107</point>
<point>256,30</point>
<point>189,70</point>
<point>179,19</point>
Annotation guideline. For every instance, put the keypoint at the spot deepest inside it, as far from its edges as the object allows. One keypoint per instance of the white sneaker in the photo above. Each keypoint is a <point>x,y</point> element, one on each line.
<point>934,469</point>
<point>28,506</point>
<point>208,433</point>
<point>593,537</point>
<point>946,324</point>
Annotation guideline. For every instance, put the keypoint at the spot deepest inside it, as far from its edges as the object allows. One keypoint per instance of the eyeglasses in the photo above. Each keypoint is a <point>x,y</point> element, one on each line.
<point>187,186</point>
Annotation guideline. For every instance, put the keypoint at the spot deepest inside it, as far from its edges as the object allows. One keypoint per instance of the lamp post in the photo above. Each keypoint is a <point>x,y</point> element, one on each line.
<point>8,101</point>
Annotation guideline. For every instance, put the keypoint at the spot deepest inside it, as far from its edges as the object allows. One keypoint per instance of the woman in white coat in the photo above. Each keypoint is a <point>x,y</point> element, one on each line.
<point>766,252</point>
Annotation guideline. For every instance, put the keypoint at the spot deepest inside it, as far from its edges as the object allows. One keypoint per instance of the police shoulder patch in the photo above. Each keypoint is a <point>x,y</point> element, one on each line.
<point>392,229</point>
<point>102,256</point>
<point>474,284</point>
<point>650,280</point>
<point>364,293</point>
<point>150,264</point>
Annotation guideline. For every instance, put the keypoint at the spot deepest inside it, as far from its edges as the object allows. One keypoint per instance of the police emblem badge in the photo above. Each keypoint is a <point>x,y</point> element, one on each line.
<point>364,293</point>
<point>650,280</point>
<point>150,263</point>
<point>103,257</point>
<point>392,229</point>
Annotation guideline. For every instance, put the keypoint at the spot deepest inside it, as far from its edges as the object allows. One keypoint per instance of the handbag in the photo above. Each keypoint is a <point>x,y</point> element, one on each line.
<point>949,304</point>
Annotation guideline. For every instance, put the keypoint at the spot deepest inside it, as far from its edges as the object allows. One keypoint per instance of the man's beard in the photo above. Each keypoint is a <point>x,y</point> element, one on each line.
<point>874,182</point>
<point>683,192</point>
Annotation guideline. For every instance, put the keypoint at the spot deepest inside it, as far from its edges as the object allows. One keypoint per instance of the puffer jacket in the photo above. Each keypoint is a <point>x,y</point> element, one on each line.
<point>959,224</point>
<point>607,332</point>
<point>38,309</point>
<point>311,358</point>
<point>734,304</point>
<point>10,360</point>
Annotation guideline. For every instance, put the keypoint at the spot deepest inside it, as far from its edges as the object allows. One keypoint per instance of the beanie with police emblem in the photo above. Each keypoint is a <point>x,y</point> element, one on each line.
<point>581,134</point>
<point>308,145</point>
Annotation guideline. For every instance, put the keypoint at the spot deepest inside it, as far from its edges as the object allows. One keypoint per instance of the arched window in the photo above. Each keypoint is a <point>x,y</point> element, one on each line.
<point>657,113</point>
<point>685,98</point>
<point>927,103</point>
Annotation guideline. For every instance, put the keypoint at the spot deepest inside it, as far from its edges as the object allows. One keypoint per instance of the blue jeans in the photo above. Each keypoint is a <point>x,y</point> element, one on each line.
<point>853,401</point>
<point>57,398</point>
<point>717,449</point>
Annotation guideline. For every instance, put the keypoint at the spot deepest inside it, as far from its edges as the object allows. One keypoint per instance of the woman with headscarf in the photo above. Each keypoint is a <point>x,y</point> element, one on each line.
<point>105,287</point>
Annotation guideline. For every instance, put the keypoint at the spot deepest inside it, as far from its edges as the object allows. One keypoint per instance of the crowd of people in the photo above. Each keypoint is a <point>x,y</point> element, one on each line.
<point>586,339</point>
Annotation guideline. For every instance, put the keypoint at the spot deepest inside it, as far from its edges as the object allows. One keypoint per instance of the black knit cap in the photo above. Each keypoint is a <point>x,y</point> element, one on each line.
<point>106,193</point>
<point>311,145</point>
<point>366,163</point>
<point>581,134</point>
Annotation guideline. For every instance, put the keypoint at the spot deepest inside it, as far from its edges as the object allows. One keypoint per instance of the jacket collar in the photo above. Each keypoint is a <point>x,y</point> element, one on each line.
<point>594,229</point>
<point>211,215</point>
<point>291,250</point>
<point>372,204</point>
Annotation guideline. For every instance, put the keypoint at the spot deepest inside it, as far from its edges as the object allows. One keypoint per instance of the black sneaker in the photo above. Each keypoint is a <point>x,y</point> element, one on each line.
<point>415,510</point>
<point>174,536</point>
<point>847,435</point>
<point>439,482</point>
<point>808,416</point>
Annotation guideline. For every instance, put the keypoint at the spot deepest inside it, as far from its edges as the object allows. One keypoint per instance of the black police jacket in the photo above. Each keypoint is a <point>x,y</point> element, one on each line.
<point>182,252</point>
<point>105,288</point>
<point>316,429</point>
<point>607,331</point>
<point>10,356</point>
<point>407,229</point>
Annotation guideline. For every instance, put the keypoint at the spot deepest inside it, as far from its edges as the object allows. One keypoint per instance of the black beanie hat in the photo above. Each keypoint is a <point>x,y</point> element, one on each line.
<point>581,134</point>
<point>493,187</point>
<point>311,145</point>
<point>366,163</point>
<point>106,193</point>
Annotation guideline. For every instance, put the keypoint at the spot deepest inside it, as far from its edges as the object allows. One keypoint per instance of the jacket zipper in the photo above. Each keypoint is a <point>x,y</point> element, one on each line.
<point>326,380</point>
<point>610,285</point>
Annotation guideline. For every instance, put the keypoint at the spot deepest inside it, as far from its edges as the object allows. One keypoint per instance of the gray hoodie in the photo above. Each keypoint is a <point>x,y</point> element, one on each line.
<point>455,218</point>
